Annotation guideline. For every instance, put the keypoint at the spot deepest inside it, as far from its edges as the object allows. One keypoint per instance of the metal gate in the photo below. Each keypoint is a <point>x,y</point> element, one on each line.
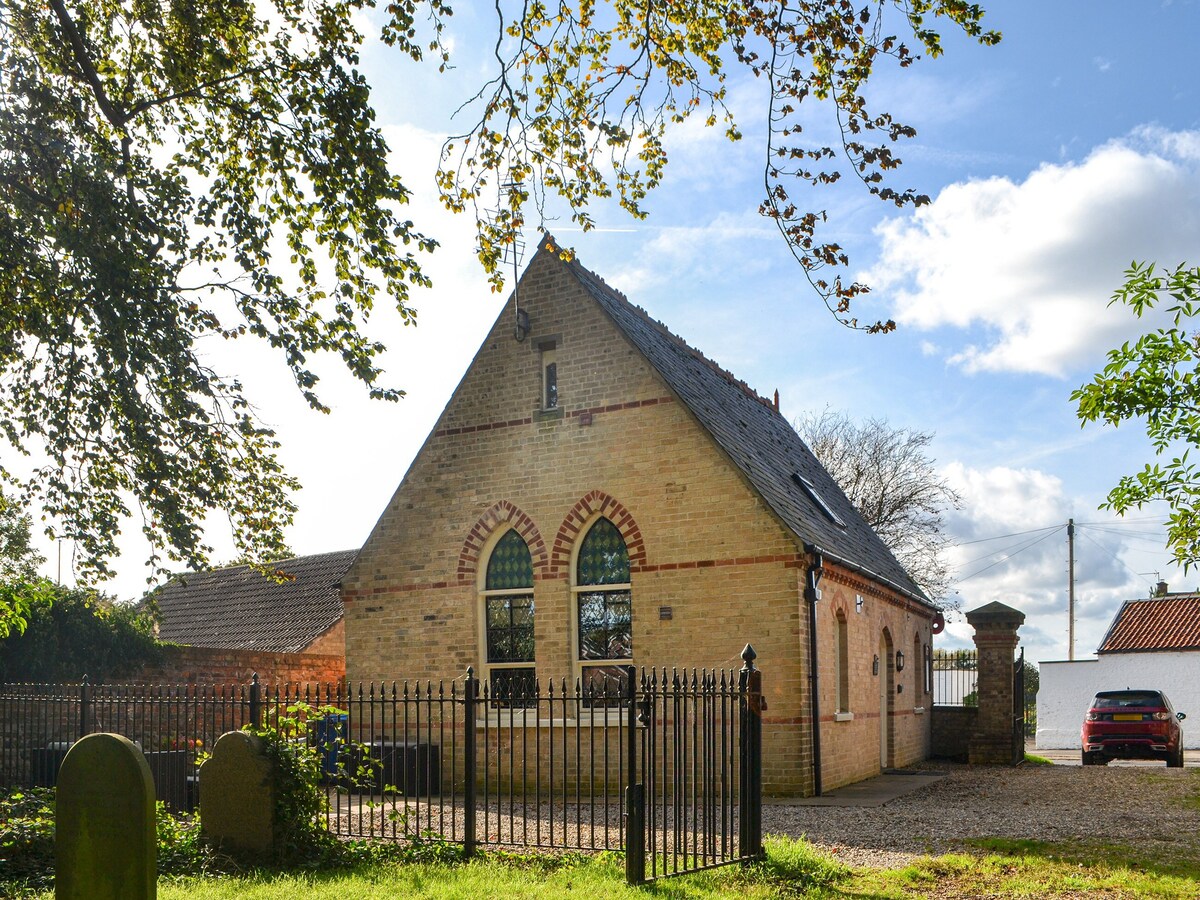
<point>694,799</point>
<point>1018,709</point>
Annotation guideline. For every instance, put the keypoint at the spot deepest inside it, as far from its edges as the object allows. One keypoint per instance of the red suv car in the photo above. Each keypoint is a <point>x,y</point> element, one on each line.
<point>1132,724</point>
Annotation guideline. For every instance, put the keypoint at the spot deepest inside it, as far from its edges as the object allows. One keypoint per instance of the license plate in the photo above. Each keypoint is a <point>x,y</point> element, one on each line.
<point>1127,717</point>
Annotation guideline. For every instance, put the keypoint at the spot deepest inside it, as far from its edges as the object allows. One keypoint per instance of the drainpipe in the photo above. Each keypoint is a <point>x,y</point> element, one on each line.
<point>812,593</point>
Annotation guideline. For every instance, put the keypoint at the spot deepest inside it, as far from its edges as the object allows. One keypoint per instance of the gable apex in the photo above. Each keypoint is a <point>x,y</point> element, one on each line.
<point>753,435</point>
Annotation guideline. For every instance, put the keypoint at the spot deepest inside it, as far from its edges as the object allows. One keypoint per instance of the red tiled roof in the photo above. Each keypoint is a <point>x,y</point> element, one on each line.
<point>1163,623</point>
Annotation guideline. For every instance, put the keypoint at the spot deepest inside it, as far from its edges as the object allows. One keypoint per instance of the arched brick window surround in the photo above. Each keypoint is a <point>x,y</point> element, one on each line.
<point>503,513</point>
<point>595,503</point>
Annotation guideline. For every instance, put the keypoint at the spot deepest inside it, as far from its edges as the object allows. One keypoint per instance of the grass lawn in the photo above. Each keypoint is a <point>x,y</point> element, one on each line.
<point>996,869</point>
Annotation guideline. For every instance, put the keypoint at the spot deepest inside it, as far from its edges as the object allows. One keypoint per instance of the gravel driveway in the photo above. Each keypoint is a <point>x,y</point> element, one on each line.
<point>1138,805</point>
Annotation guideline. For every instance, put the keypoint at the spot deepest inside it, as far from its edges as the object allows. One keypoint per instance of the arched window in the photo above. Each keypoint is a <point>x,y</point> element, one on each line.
<point>843,663</point>
<point>508,621</point>
<point>604,610</point>
<point>918,668</point>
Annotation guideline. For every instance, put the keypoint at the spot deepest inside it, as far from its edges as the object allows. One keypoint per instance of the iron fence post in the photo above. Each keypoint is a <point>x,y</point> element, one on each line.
<point>635,794</point>
<point>751,705</point>
<point>255,701</point>
<point>470,695</point>
<point>85,708</point>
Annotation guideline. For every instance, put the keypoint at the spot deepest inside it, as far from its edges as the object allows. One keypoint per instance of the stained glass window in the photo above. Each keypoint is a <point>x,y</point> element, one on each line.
<point>605,616</point>
<point>510,565</point>
<point>508,620</point>
<point>603,558</point>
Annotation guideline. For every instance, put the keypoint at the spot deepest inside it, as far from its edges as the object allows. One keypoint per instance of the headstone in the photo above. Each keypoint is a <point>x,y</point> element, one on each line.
<point>237,801</point>
<point>105,846</point>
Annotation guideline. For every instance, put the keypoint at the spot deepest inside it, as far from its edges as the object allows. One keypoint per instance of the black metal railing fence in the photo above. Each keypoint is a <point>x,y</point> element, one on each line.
<point>663,764</point>
<point>955,677</point>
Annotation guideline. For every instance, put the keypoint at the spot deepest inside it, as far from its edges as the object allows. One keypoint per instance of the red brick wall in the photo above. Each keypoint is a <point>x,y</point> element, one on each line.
<point>208,665</point>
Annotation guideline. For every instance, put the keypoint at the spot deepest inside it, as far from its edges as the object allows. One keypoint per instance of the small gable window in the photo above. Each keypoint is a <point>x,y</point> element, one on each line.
<point>549,377</point>
<point>604,605</point>
<point>508,622</point>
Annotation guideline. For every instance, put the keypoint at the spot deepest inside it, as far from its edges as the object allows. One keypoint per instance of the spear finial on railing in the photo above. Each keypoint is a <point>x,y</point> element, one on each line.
<point>748,657</point>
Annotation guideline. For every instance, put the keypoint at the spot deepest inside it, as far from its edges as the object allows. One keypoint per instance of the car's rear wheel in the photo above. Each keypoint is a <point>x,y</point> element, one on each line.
<point>1175,761</point>
<point>1093,759</point>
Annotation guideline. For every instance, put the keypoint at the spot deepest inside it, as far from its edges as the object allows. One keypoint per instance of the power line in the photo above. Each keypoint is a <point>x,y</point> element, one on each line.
<point>1113,555</point>
<point>1124,521</point>
<point>1027,545</point>
<point>1143,536</point>
<point>971,562</point>
<point>1001,537</point>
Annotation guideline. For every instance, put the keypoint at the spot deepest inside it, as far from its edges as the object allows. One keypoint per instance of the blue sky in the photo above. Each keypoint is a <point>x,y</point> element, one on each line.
<point>1053,160</point>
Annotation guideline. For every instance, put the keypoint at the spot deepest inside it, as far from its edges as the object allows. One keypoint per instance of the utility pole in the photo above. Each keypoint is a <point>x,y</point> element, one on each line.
<point>1071,589</point>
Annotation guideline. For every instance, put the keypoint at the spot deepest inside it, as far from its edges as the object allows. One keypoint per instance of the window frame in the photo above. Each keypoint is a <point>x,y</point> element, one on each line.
<point>579,664</point>
<point>486,666</point>
<point>549,373</point>
<point>842,645</point>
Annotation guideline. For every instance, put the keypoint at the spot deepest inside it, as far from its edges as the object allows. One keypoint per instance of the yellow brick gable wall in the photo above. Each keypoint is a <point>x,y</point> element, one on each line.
<point>711,567</point>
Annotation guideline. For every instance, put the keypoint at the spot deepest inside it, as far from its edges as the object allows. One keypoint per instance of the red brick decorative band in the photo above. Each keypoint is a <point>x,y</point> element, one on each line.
<point>502,513</point>
<point>528,420</point>
<point>588,506</point>
<point>790,560</point>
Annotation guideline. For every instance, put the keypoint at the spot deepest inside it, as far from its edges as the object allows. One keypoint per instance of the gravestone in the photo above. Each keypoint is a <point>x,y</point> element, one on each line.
<point>237,801</point>
<point>105,846</point>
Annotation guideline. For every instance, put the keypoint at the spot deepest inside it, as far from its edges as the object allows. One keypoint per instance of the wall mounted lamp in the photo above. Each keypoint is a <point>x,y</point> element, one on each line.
<point>899,660</point>
<point>858,603</point>
<point>875,665</point>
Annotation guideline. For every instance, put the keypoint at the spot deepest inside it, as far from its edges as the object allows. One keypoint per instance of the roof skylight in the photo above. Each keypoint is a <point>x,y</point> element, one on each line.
<point>808,488</point>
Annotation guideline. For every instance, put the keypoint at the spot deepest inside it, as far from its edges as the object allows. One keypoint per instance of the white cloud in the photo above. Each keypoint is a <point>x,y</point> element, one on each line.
<point>1011,546</point>
<point>1031,264</point>
<point>728,243</point>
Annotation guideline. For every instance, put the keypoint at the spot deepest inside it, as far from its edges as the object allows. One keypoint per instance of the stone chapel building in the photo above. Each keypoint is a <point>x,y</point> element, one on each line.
<point>597,493</point>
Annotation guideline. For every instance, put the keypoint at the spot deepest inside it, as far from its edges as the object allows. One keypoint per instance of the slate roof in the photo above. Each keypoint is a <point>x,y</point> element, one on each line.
<point>1162,623</point>
<point>239,609</point>
<point>759,441</point>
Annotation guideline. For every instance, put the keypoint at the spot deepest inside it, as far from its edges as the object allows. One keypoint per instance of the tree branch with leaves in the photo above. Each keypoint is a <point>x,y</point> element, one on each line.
<point>1155,379</point>
<point>172,173</point>
<point>182,172</point>
<point>586,93</point>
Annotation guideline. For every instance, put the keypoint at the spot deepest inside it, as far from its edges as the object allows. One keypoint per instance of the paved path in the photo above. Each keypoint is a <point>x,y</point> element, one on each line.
<point>874,791</point>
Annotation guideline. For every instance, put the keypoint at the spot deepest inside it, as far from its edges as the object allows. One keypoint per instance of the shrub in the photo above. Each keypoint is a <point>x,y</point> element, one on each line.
<point>27,839</point>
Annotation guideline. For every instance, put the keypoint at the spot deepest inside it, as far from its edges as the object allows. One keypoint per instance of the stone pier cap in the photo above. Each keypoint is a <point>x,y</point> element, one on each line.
<point>994,614</point>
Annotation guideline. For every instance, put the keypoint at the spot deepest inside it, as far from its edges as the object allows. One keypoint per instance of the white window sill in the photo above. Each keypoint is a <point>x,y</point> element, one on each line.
<point>918,710</point>
<point>843,717</point>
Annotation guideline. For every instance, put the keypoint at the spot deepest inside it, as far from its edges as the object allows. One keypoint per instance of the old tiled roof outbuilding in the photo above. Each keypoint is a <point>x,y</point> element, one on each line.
<point>237,608</point>
<point>1162,623</point>
<point>759,441</point>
